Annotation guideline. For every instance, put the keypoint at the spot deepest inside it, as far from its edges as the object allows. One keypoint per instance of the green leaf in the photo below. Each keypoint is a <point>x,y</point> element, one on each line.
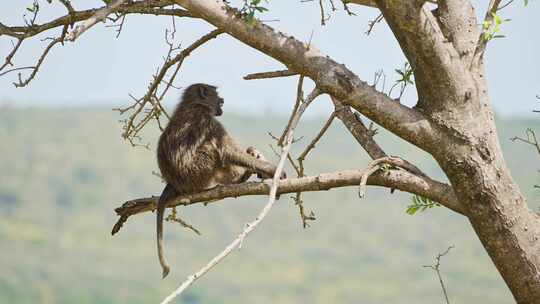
<point>420,204</point>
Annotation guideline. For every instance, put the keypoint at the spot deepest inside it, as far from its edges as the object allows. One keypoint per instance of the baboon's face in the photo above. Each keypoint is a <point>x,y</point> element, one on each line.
<point>218,105</point>
<point>207,96</point>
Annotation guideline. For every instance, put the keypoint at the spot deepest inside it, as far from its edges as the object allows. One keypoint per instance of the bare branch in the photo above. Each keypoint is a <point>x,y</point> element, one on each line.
<point>273,74</point>
<point>530,140</point>
<point>11,54</point>
<point>362,134</point>
<point>312,144</point>
<point>372,23</point>
<point>22,83</point>
<point>301,173</point>
<point>173,217</point>
<point>396,179</point>
<point>299,97</point>
<point>134,124</point>
<point>100,15</point>
<point>31,29</point>
<point>436,267</point>
<point>17,69</point>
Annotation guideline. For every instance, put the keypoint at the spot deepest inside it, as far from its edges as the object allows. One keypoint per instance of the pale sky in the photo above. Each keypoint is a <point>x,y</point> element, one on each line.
<point>100,70</point>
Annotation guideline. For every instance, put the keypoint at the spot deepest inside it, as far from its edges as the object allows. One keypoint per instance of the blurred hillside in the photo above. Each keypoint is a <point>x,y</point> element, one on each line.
<point>63,171</point>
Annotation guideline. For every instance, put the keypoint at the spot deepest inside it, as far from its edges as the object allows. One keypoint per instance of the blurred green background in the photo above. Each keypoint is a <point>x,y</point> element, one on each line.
<point>62,172</point>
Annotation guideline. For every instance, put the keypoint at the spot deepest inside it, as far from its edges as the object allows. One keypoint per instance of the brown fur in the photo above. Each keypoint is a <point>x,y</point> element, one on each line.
<point>196,153</point>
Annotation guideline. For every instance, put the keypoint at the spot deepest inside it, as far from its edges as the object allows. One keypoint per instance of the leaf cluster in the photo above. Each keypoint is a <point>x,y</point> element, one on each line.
<point>492,28</point>
<point>406,74</point>
<point>420,204</point>
<point>251,7</point>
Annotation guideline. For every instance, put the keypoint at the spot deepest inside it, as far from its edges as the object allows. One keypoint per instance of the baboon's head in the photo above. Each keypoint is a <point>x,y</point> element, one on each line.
<point>205,96</point>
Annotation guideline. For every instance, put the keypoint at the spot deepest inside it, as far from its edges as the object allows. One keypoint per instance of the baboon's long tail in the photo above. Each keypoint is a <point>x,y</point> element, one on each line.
<point>166,195</point>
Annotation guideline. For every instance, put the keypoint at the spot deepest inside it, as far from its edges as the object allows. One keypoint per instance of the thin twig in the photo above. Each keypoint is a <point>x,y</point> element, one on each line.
<point>174,217</point>
<point>22,83</point>
<point>436,267</point>
<point>372,23</point>
<point>17,69</point>
<point>505,5</point>
<point>299,97</point>
<point>11,54</point>
<point>133,124</point>
<point>482,42</point>
<point>530,140</point>
<point>318,137</point>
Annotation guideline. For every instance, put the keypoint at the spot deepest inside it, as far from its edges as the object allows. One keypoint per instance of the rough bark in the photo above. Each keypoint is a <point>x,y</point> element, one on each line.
<point>473,162</point>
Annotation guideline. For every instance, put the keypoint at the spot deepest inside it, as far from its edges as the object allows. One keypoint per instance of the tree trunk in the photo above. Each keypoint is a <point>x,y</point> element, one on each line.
<point>508,230</point>
<point>444,53</point>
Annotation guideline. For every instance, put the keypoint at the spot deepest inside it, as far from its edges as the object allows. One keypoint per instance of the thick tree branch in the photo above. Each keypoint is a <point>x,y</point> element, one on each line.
<point>459,25</point>
<point>397,179</point>
<point>329,76</point>
<point>272,74</point>
<point>442,78</point>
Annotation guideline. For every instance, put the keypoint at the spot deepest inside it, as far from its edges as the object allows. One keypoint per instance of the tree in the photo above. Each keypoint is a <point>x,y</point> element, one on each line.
<point>452,120</point>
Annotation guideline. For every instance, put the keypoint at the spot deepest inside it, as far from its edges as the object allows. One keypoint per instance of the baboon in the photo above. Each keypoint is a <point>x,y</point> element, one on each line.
<point>196,153</point>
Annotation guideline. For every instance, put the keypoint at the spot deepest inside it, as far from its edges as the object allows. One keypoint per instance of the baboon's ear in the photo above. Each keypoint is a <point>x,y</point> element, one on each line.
<point>203,92</point>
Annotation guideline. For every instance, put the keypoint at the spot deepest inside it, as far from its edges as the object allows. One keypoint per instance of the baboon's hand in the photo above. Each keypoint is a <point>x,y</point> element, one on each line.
<point>255,153</point>
<point>258,155</point>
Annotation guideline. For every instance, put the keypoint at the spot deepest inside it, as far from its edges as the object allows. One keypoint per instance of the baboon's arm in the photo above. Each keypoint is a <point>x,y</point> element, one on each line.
<point>234,155</point>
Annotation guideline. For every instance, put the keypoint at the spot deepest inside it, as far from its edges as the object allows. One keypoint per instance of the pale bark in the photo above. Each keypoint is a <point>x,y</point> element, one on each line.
<point>471,157</point>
